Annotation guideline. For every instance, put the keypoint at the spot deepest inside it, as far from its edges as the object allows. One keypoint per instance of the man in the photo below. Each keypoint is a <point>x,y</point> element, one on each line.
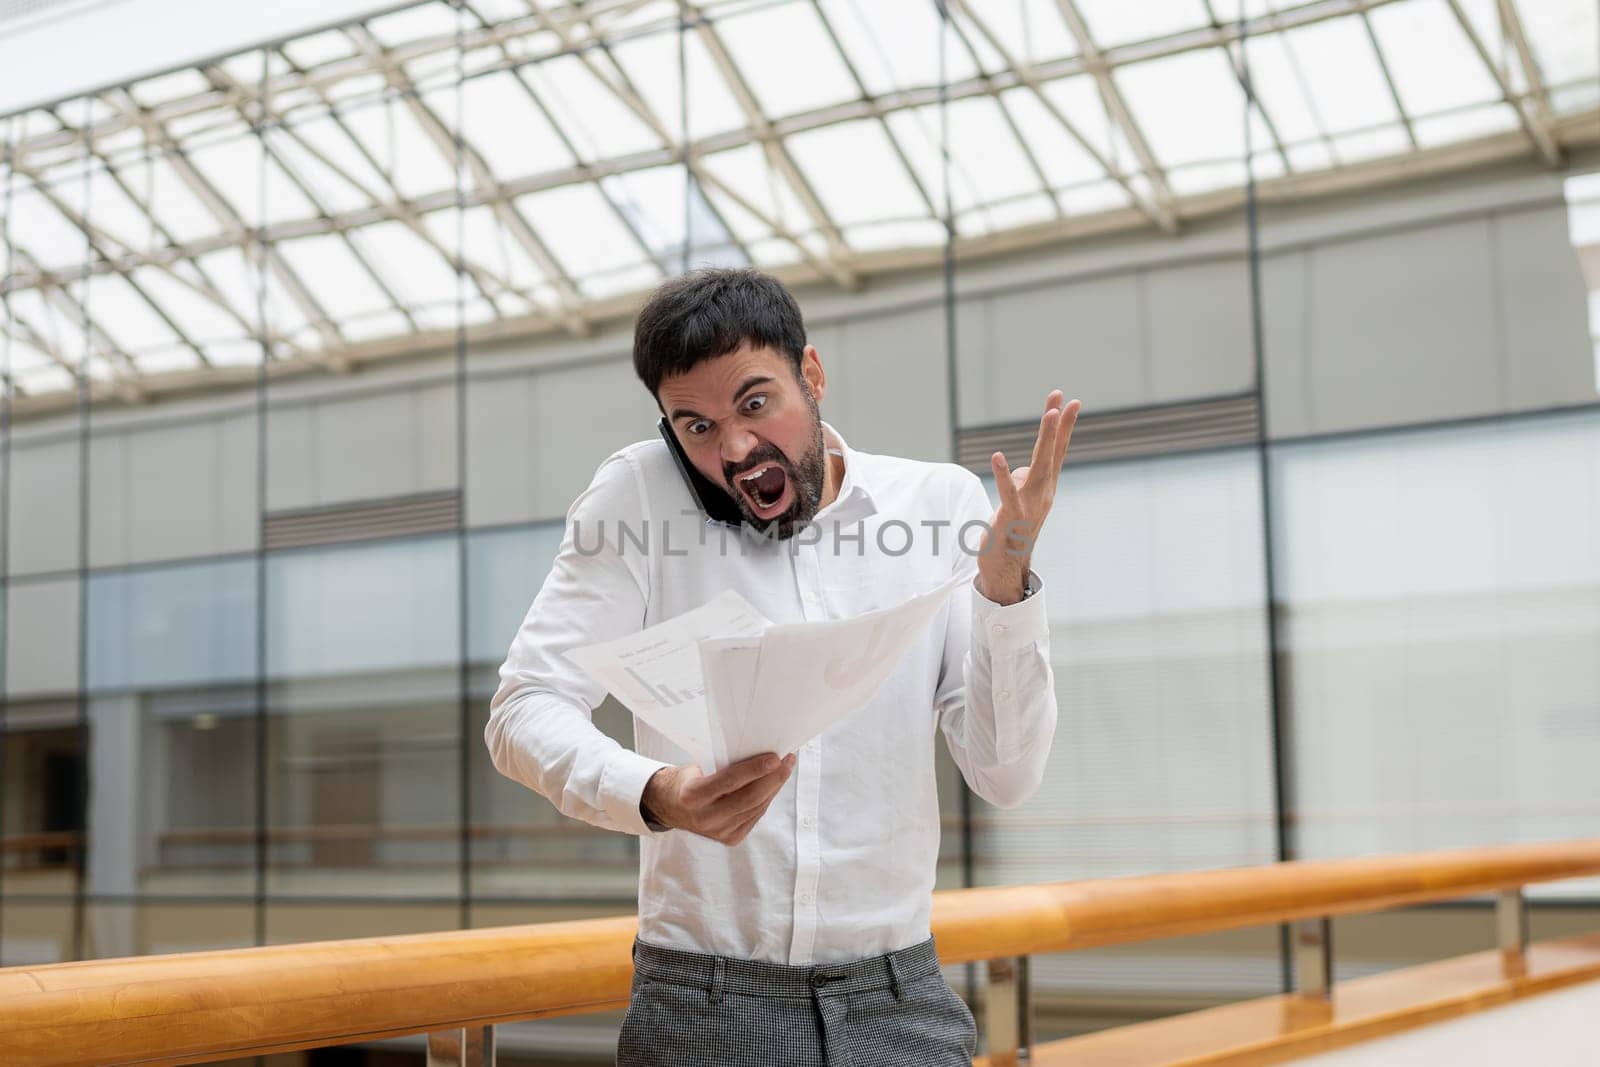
<point>784,902</point>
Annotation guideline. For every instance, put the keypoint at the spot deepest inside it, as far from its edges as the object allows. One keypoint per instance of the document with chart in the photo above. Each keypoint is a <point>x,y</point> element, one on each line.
<point>724,683</point>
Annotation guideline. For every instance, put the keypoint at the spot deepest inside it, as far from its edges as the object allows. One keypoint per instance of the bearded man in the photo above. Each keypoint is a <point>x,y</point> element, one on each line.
<point>784,900</point>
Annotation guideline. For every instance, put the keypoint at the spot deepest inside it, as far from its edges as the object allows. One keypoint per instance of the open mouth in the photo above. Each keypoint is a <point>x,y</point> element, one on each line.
<point>766,488</point>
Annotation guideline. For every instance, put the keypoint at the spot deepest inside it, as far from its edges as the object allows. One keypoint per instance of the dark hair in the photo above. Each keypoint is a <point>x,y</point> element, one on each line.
<point>709,313</point>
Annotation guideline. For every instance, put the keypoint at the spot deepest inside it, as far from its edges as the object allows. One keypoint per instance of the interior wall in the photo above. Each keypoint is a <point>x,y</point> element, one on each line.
<point>1433,301</point>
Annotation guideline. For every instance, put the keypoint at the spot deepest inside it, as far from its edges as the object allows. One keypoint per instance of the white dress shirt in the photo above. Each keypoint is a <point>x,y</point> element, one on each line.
<point>842,864</point>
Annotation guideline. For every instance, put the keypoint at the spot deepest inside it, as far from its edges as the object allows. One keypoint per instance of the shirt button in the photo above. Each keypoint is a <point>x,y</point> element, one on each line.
<point>805,898</point>
<point>809,823</point>
<point>999,627</point>
<point>1004,694</point>
<point>810,597</point>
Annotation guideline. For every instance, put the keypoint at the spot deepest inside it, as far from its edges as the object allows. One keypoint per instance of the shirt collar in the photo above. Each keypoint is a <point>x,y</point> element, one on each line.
<point>854,497</point>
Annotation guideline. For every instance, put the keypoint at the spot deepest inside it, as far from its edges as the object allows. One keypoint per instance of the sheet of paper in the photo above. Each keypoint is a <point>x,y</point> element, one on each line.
<point>814,674</point>
<point>656,673</point>
<point>729,667</point>
<point>723,683</point>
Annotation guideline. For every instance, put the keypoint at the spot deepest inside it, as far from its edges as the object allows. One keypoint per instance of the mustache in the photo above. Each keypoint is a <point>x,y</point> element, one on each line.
<point>769,454</point>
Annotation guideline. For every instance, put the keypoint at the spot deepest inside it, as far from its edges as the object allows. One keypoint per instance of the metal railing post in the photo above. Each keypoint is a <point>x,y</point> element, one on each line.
<point>461,1046</point>
<point>1511,926</point>
<point>1008,1011</point>
<point>1313,958</point>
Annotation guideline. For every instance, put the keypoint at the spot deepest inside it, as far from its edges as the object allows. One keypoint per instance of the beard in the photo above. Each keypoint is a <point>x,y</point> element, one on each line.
<point>807,477</point>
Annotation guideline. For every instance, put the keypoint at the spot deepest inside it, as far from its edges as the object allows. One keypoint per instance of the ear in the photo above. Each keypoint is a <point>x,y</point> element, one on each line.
<point>811,370</point>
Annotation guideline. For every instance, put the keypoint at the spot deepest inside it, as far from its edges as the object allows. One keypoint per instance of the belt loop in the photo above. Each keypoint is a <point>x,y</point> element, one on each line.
<point>894,976</point>
<point>718,970</point>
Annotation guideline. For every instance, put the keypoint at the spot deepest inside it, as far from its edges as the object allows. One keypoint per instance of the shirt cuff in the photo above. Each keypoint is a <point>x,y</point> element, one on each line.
<point>1009,627</point>
<point>622,786</point>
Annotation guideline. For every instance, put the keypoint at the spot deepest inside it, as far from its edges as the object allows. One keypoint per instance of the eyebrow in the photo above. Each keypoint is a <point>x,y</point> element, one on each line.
<point>744,387</point>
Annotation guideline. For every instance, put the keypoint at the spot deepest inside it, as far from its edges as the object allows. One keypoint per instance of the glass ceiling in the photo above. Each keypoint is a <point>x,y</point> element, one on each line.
<point>518,165</point>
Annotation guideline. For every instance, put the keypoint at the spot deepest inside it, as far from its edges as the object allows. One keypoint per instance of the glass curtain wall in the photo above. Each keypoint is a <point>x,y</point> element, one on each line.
<point>248,652</point>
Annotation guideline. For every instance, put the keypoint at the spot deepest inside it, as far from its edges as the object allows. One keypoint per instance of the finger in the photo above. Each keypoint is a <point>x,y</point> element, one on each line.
<point>738,833</point>
<point>757,794</point>
<point>734,776</point>
<point>1049,425</point>
<point>1069,419</point>
<point>1009,500</point>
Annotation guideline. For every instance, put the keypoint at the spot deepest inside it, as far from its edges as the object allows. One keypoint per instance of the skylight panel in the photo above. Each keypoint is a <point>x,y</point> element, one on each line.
<point>237,172</point>
<point>21,355</point>
<point>38,381</point>
<point>1032,31</point>
<point>1197,178</point>
<point>773,252</point>
<point>583,232</point>
<point>894,44</point>
<point>331,271</point>
<point>1562,34</point>
<point>1430,58</point>
<point>1371,144</point>
<point>1114,22</point>
<point>1341,71</point>
<point>166,360</point>
<point>152,92</point>
<point>1079,101</point>
<point>413,268</point>
<point>505,127</point>
<point>748,173</point>
<point>1094,198</point>
<point>1189,106</point>
<point>1279,88</point>
<point>787,58</point>
<point>41,231</point>
<point>873,187</point>
<point>1464,125</point>
<point>631,279</point>
<point>591,115</point>
<point>233,353</point>
<point>329,188</point>
<point>319,48</point>
<point>657,201</point>
<point>373,325</point>
<point>987,153</point>
<point>55,327</point>
<point>247,69</point>
<point>200,319</point>
<point>1011,214</point>
<point>873,236</point>
<point>173,204</point>
<point>357,87</point>
<point>1310,156</point>
<point>400,146</point>
<point>652,65</point>
<point>234,277</point>
<point>324,136</point>
<point>486,241</point>
<point>414,24</point>
<point>1062,158</point>
<point>125,317</point>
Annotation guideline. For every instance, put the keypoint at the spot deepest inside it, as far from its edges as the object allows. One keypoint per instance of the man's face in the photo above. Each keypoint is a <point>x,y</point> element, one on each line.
<point>750,426</point>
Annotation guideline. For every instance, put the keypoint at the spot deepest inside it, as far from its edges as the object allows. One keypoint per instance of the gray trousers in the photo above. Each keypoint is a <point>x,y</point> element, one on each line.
<point>692,1010</point>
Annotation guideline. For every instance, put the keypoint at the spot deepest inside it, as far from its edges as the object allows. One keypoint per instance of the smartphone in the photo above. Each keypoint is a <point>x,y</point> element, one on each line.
<point>712,498</point>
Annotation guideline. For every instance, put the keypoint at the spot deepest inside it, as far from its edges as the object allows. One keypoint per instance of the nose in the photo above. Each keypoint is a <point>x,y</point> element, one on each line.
<point>737,444</point>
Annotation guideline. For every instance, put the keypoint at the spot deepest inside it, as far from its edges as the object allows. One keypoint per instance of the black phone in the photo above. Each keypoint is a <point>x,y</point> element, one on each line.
<point>712,498</point>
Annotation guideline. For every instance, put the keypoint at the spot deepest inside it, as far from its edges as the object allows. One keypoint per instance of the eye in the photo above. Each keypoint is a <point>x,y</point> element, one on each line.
<point>698,426</point>
<point>755,402</point>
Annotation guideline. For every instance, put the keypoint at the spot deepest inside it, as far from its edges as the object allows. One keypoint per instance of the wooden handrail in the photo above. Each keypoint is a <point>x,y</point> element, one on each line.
<point>199,1006</point>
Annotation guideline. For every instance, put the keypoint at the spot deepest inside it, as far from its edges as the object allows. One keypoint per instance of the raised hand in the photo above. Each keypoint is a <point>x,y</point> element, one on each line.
<point>1025,498</point>
<point>724,806</point>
